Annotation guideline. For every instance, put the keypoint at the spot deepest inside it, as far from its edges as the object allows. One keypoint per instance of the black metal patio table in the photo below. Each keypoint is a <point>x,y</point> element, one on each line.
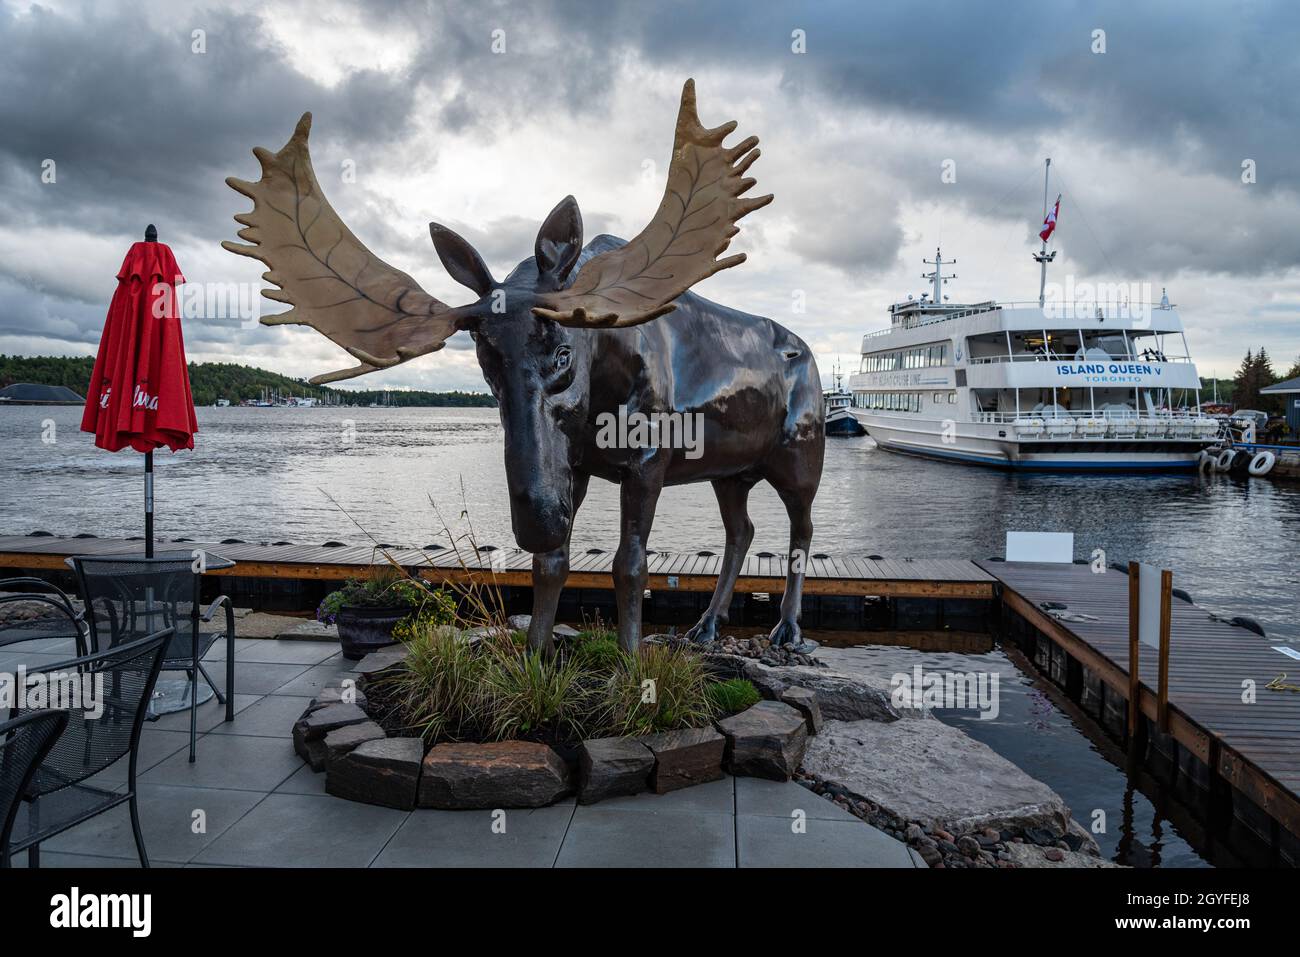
<point>128,596</point>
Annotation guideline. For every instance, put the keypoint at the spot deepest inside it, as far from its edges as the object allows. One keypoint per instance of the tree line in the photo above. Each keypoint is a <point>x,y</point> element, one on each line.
<point>1256,373</point>
<point>210,381</point>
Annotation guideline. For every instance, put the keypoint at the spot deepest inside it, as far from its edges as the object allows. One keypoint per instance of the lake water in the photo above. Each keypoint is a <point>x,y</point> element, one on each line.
<point>403,475</point>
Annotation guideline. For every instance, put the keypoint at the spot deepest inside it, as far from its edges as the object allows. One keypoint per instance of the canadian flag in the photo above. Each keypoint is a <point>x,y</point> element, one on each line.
<point>1049,224</point>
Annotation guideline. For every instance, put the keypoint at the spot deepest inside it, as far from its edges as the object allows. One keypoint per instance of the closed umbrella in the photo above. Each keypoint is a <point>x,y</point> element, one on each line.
<point>139,393</point>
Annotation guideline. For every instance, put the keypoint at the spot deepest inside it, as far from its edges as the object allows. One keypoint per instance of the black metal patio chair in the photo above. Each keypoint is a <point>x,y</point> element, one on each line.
<point>129,596</point>
<point>24,743</point>
<point>52,615</point>
<point>103,727</point>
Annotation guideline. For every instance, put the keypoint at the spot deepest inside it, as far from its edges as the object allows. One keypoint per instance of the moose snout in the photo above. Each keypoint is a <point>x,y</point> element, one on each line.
<point>540,521</point>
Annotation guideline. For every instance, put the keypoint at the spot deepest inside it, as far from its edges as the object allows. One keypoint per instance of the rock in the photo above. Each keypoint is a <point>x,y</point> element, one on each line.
<point>519,622</point>
<point>805,699</point>
<point>381,660</point>
<point>318,722</point>
<point>1079,838</point>
<point>496,774</point>
<point>764,741</point>
<point>314,753</point>
<point>686,757</point>
<point>1027,855</point>
<point>342,740</point>
<point>932,773</point>
<point>564,631</point>
<point>841,696</point>
<point>968,845</point>
<point>309,631</point>
<point>914,834</point>
<point>337,696</point>
<point>612,767</point>
<point>385,771</point>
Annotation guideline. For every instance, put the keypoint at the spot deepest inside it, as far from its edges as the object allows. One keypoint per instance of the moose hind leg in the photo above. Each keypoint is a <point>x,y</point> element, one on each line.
<point>550,570</point>
<point>733,501</point>
<point>798,506</point>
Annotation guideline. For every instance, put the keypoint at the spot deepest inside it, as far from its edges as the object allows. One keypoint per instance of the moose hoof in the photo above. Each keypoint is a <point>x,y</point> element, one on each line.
<point>705,631</point>
<point>787,635</point>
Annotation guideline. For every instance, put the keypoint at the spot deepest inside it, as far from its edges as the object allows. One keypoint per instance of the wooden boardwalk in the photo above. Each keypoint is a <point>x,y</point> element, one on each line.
<point>680,571</point>
<point>1255,746</point>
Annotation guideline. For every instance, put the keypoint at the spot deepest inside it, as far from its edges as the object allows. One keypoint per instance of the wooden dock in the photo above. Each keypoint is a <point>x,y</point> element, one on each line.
<point>1254,747</point>
<point>669,571</point>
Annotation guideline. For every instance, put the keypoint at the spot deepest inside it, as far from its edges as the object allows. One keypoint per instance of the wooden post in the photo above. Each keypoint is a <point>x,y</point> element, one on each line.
<point>1166,618</point>
<point>1134,680</point>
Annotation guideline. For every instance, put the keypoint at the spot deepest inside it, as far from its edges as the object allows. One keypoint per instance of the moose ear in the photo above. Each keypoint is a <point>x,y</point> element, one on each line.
<point>461,260</point>
<point>559,241</point>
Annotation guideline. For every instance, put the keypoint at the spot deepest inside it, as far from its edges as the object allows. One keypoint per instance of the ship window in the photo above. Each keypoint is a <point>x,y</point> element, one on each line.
<point>952,398</point>
<point>938,397</point>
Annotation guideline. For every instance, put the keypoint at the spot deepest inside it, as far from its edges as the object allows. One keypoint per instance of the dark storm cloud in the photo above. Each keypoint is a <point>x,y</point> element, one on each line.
<point>1188,89</point>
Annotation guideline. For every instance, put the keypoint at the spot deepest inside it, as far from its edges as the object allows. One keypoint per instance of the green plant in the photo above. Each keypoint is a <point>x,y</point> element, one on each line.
<point>441,690</point>
<point>660,688</point>
<point>597,653</point>
<point>527,693</point>
<point>732,696</point>
<point>389,586</point>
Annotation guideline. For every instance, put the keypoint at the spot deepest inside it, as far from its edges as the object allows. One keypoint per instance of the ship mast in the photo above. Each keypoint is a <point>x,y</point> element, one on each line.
<point>1043,257</point>
<point>937,277</point>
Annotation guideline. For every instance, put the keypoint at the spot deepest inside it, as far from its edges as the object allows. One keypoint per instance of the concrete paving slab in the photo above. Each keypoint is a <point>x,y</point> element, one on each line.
<point>604,837</point>
<point>270,717</point>
<point>255,677</point>
<point>714,797</point>
<point>531,838</point>
<point>240,761</point>
<point>773,842</point>
<point>172,832</point>
<point>757,797</point>
<point>303,830</point>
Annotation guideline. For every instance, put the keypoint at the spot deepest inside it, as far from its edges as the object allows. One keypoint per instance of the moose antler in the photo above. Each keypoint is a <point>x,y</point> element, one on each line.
<point>335,284</point>
<point>679,247</point>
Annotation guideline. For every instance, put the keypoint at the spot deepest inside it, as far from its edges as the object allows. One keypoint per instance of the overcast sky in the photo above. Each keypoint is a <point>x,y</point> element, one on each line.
<point>144,118</point>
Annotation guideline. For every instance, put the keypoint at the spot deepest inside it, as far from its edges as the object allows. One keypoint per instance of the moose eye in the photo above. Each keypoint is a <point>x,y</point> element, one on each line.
<point>562,358</point>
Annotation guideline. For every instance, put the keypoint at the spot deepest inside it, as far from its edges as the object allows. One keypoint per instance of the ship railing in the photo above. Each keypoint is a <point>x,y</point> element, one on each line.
<point>1060,357</point>
<point>1110,415</point>
<point>1053,311</point>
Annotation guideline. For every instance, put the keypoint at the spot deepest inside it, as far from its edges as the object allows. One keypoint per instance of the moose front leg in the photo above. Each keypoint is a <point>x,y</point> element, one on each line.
<point>638,497</point>
<point>550,570</point>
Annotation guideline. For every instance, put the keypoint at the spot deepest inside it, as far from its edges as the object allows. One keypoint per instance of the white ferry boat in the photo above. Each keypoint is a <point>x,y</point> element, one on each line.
<point>838,402</point>
<point>1035,386</point>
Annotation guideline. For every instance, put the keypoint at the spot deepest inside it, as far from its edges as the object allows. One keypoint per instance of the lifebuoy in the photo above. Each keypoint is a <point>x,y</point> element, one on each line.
<point>1224,462</point>
<point>1262,463</point>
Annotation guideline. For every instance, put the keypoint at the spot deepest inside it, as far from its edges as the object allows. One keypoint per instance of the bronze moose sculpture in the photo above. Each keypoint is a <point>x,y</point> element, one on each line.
<point>571,337</point>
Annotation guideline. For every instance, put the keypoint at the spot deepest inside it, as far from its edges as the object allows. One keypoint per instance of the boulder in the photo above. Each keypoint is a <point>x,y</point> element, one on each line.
<point>564,631</point>
<point>764,741</point>
<point>686,757</point>
<point>317,722</point>
<point>384,771</point>
<point>932,773</point>
<point>841,696</point>
<point>342,740</point>
<point>612,767</point>
<point>805,701</point>
<point>498,774</point>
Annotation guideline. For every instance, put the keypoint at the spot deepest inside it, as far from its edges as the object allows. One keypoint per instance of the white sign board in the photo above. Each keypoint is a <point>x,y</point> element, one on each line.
<point>1040,547</point>
<point>1149,605</point>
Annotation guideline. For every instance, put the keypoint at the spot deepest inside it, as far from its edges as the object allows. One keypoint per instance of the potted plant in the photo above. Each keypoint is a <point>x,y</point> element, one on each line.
<point>378,610</point>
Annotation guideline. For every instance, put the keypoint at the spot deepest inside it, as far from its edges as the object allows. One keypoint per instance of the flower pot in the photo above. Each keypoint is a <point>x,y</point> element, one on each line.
<point>363,628</point>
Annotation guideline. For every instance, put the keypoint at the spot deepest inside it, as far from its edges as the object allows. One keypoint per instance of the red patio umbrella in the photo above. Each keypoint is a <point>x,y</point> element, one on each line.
<point>139,391</point>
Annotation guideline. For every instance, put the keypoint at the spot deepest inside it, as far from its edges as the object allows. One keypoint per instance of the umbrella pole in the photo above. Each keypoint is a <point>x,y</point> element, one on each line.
<point>148,505</point>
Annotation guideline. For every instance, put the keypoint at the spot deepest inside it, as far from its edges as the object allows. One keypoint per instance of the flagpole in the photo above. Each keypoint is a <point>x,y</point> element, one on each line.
<point>150,236</point>
<point>1042,257</point>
